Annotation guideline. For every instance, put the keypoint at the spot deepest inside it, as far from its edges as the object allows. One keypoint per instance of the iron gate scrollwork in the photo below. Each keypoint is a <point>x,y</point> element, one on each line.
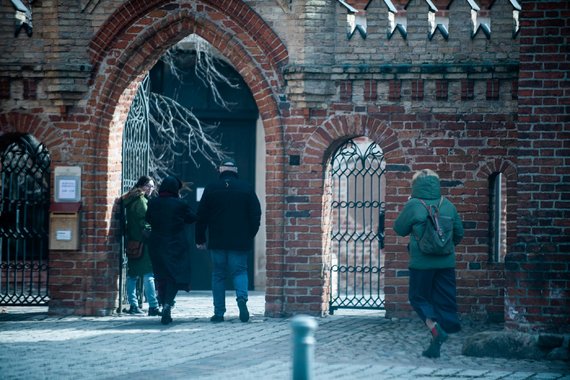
<point>136,152</point>
<point>357,232</point>
<point>24,219</point>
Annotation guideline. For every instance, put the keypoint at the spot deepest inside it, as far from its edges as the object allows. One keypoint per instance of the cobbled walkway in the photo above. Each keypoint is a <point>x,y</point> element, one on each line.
<point>349,345</point>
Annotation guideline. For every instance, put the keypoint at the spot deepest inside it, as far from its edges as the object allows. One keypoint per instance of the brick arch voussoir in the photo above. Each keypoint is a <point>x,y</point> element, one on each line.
<point>123,17</point>
<point>134,56</point>
<point>34,125</point>
<point>498,166</point>
<point>125,64</point>
<point>340,128</point>
<point>248,21</point>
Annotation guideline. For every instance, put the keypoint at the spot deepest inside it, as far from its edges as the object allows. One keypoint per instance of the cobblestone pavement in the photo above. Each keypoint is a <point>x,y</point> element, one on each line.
<point>349,345</point>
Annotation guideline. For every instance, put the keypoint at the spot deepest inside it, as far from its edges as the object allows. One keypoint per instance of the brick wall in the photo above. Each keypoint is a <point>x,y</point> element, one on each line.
<point>538,279</point>
<point>446,102</point>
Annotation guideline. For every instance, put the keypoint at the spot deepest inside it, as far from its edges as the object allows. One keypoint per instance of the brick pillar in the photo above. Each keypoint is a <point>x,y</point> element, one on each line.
<point>537,271</point>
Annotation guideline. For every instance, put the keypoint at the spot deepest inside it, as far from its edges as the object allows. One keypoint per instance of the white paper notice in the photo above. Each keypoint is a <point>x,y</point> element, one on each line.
<point>63,235</point>
<point>67,188</point>
<point>199,192</point>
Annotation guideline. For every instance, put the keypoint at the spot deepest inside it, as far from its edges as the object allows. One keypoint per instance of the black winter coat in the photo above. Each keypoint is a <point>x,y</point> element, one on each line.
<point>230,212</point>
<point>168,217</point>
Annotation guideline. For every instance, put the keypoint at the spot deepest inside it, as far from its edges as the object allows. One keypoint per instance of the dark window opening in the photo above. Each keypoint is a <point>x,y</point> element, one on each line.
<point>498,217</point>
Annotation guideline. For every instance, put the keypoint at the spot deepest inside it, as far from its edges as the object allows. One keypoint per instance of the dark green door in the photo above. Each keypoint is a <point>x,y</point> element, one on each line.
<point>235,129</point>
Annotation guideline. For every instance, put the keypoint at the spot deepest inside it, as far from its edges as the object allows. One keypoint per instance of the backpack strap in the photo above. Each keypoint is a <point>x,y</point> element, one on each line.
<point>433,214</point>
<point>429,215</point>
<point>429,208</point>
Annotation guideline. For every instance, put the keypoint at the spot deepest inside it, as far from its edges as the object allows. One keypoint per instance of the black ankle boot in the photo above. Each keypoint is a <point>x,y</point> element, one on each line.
<point>166,318</point>
<point>243,312</point>
<point>433,351</point>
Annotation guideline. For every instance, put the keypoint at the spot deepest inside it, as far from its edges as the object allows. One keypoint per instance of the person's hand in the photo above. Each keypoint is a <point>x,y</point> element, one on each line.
<point>201,246</point>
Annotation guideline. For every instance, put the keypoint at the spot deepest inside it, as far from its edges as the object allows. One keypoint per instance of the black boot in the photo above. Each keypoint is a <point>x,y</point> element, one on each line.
<point>154,312</point>
<point>243,312</point>
<point>438,337</point>
<point>135,310</point>
<point>166,318</point>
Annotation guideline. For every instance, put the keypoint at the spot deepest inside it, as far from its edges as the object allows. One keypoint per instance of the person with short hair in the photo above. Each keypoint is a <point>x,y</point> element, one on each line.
<point>168,216</point>
<point>135,203</point>
<point>432,289</point>
<point>229,213</point>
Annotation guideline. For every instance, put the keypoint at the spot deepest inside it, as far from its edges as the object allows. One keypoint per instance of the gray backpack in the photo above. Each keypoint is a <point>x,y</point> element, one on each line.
<point>437,239</point>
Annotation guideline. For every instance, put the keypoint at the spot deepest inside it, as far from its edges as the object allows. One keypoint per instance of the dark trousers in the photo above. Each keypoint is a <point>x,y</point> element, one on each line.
<point>432,294</point>
<point>166,291</point>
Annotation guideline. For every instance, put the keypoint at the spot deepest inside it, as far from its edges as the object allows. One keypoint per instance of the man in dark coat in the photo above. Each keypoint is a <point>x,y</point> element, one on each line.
<point>229,211</point>
<point>168,216</point>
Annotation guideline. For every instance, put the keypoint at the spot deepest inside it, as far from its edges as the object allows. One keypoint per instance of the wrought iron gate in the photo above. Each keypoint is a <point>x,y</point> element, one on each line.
<point>136,151</point>
<point>357,231</point>
<point>24,218</point>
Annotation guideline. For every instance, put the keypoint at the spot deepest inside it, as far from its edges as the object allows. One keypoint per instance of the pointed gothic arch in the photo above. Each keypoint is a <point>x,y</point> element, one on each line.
<point>122,52</point>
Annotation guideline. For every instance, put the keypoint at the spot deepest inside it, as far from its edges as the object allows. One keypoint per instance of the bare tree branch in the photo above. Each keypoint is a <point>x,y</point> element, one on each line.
<point>177,130</point>
<point>204,68</point>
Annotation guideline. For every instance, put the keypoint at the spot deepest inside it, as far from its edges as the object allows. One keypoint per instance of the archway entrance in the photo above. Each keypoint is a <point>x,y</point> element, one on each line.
<point>232,120</point>
<point>24,218</point>
<point>357,211</point>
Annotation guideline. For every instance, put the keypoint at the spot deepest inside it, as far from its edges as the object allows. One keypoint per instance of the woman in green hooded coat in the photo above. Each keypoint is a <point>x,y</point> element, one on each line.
<point>135,204</point>
<point>432,289</point>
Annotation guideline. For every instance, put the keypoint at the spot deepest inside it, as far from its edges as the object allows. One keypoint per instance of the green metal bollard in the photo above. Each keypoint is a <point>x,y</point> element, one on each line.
<point>303,346</point>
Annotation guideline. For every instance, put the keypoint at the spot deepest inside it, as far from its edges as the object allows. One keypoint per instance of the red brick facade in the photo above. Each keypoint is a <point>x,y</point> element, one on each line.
<point>537,268</point>
<point>467,105</point>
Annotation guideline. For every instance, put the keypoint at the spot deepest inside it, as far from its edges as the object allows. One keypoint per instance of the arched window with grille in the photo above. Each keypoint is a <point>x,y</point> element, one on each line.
<point>24,220</point>
<point>356,187</point>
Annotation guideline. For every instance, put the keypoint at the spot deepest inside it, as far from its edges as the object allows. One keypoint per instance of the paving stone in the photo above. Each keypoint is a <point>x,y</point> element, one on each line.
<point>348,346</point>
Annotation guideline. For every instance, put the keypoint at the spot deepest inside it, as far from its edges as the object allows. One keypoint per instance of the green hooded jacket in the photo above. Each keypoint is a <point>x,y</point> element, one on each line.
<point>412,218</point>
<point>135,204</point>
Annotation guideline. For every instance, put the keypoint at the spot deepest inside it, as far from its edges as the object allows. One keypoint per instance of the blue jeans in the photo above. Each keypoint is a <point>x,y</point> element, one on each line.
<point>234,262</point>
<point>149,290</point>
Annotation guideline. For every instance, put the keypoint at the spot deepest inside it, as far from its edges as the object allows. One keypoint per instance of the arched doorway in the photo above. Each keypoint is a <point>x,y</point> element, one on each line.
<point>356,186</point>
<point>24,218</point>
<point>137,43</point>
<point>232,124</point>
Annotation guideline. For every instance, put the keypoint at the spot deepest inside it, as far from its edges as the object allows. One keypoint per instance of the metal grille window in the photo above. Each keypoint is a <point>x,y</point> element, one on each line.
<point>136,139</point>
<point>24,218</point>
<point>357,231</point>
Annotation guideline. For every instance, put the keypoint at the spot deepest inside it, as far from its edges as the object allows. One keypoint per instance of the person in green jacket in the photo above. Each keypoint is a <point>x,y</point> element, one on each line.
<point>135,204</point>
<point>432,289</point>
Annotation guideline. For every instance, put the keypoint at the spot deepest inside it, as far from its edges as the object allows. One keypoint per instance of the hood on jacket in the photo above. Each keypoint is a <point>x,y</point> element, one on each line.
<point>426,187</point>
